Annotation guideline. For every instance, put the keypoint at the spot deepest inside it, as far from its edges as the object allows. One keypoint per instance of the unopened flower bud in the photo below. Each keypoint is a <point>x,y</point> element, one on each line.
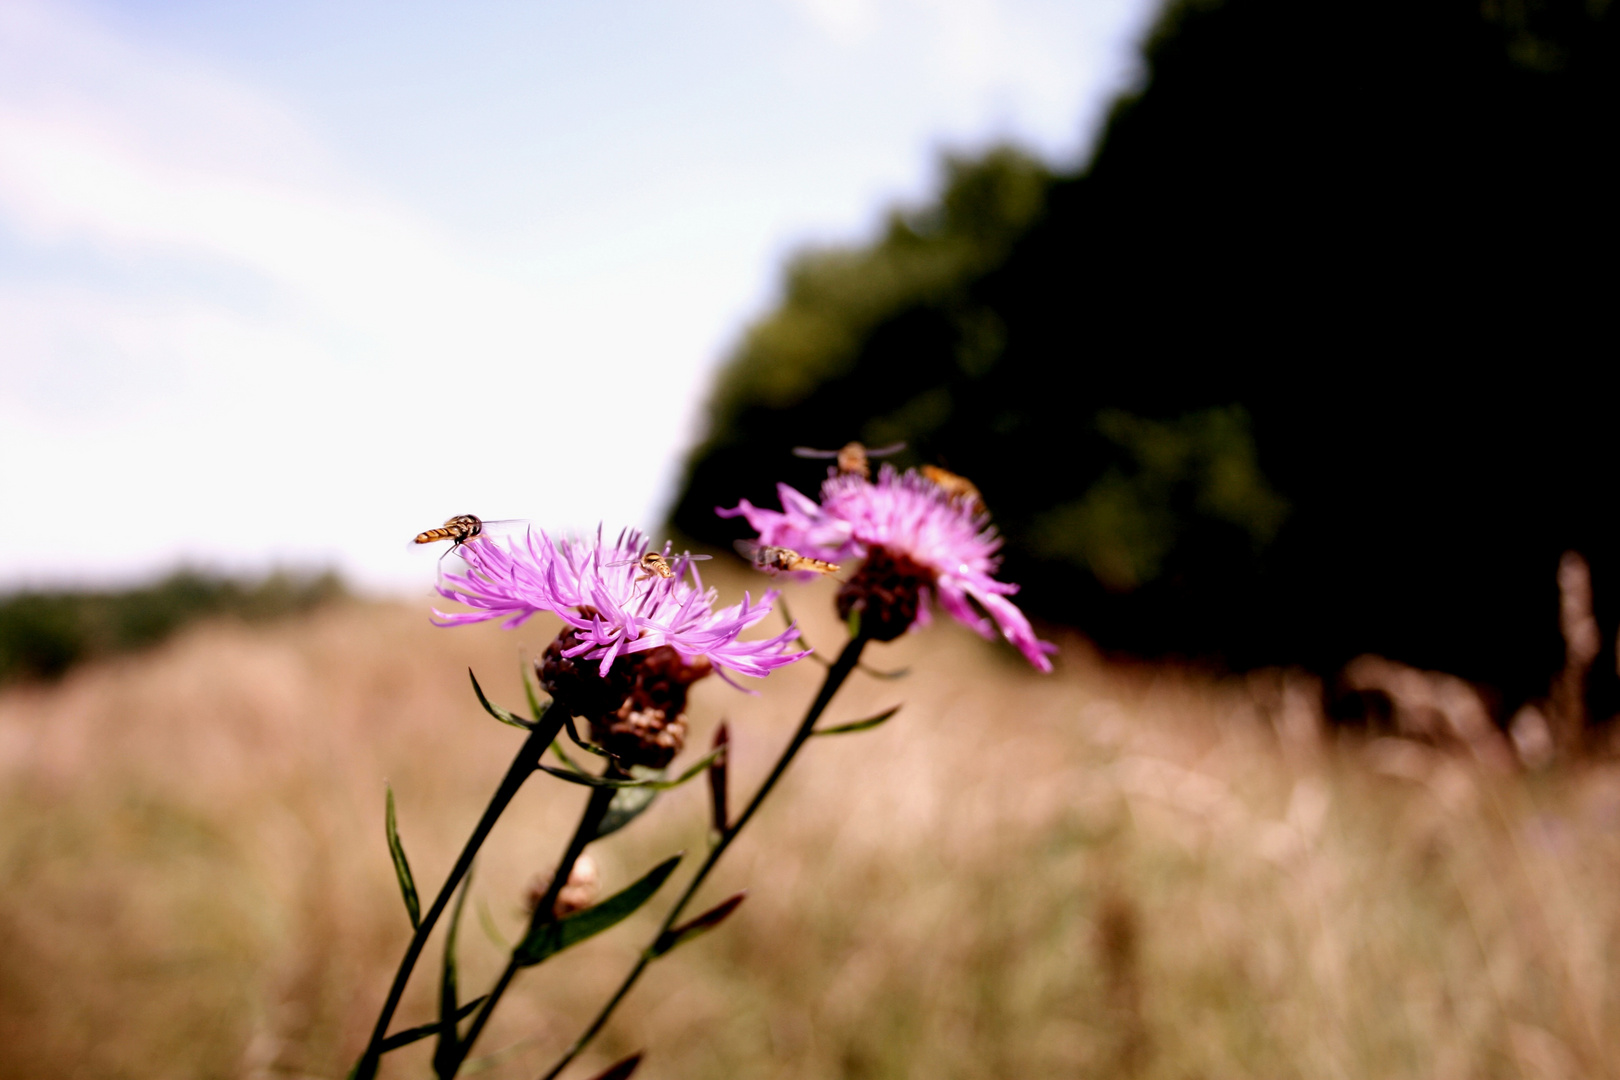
<point>887,592</point>
<point>584,882</point>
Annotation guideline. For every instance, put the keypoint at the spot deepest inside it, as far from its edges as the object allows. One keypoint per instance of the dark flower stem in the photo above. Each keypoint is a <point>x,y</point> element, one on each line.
<point>589,822</point>
<point>840,670</point>
<point>528,756</point>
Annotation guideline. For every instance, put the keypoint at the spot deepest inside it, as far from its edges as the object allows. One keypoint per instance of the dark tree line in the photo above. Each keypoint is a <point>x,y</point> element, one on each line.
<point>43,633</point>
<point>1307,362</point>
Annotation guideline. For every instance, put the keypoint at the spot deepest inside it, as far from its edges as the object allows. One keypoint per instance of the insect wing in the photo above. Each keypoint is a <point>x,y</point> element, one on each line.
<point>509,528</point>
<point>812,452</point>
<point>758,555</point>
<point>887,451</point>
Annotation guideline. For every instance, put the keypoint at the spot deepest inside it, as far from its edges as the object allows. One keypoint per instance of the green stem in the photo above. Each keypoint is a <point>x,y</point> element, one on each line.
<point>589,822</point>
<point>528,756</point>
<point>840,670</point>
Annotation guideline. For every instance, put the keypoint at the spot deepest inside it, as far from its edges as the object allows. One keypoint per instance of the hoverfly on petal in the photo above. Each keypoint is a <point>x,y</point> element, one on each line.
<point>768,559</point>
<point>655,564</point>
<point>852,459</point>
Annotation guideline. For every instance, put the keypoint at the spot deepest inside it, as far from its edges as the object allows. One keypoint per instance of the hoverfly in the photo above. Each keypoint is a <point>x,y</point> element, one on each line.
<point>956,488</point>
<point>460,529</point>
<point>852,458</point>
<point>780,560</point>
<point>654,564</point>
<point>465,528</point>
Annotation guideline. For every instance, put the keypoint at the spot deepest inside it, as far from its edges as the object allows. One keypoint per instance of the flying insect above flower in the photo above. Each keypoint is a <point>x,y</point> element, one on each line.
<point>769,559</point>
<point>461,528</point>
<point>852,458</point>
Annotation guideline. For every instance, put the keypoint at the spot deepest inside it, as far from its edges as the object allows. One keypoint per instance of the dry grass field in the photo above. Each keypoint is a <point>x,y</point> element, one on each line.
<point>1102,873</point>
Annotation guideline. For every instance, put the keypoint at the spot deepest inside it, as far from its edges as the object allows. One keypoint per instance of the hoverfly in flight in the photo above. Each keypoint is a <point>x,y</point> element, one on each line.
<point>460,529</point>
<point>654,564</point>
<point>852,459</point>
<point>780,560</point>
<point>465,528</point>
<point>956,488</point>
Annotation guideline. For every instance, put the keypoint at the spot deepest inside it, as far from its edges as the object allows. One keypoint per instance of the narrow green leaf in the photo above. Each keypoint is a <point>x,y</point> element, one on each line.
<point>495,710</point>
<point>858,725</point>
<point>445,1056</point>
<point>621,1070</point>
<point>491,931</point>
<point>627,805</point>
<point>693,770</point>
<point>549,938</point>
<point>585,779</point>
<point>504,1054</point>
<point>577,775</point>
<point>680,935</point>
<point>402,868</point>
<point>529,691</point>
<point>562,755</point>
<point>853,624</point>
<point>573,734</point>
<point>422,1031</point>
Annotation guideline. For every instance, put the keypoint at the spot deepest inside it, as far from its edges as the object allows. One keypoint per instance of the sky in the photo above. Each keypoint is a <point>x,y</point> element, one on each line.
<point>282,285</point>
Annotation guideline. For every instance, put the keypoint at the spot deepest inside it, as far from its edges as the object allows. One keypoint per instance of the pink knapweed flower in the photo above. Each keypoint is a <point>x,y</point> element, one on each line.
<point>911,527</point>
<point>614,607</point>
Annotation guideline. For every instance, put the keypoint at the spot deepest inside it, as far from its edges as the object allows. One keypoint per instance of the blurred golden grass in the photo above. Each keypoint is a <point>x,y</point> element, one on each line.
<point>1108,872</point>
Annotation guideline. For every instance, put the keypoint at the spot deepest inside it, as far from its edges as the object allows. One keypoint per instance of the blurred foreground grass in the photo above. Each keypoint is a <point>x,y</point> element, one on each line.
<point>1103,873</point>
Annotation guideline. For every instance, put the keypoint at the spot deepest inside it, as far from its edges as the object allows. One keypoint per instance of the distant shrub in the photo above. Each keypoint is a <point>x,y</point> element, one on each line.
<point>44,633</point>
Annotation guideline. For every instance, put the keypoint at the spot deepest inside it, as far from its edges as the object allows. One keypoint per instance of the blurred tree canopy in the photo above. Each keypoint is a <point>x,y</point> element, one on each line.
<point>1296,368</point>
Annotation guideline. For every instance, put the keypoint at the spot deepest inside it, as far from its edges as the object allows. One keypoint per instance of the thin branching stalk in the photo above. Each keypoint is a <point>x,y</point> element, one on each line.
<point>840,670</point>
<point>523,765</point>
<point>590,821</point>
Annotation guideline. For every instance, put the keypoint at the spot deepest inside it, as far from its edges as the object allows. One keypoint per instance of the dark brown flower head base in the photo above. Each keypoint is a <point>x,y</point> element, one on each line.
<point>579,682</point>
<point>887,592</point>
<point>638,712</point>
<point>649,726</point>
